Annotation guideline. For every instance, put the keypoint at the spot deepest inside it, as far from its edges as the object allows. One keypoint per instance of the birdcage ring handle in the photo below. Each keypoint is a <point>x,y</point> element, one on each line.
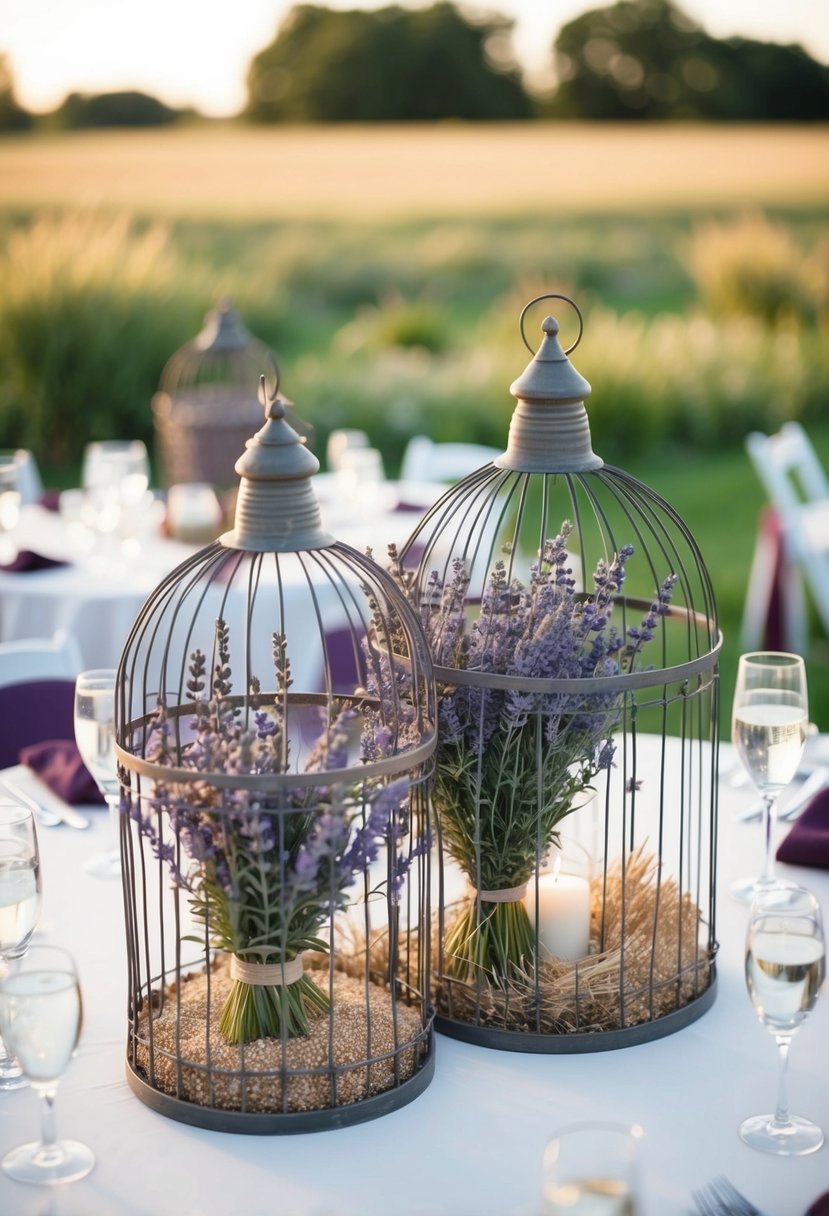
<point>268,395</point>
<point>551,295</point>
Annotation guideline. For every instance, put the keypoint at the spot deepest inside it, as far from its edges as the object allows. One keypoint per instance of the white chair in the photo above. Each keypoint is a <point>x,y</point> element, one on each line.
<point>798,492</point>
<point>55,658</point>
<point>424,460</point>
<point>29,482</point>
<point>37,692</point>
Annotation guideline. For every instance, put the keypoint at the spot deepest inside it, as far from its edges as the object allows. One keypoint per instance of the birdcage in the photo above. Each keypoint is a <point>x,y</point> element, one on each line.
<point>207,402</point>
<point>275,736</point>
<point>574,635</point>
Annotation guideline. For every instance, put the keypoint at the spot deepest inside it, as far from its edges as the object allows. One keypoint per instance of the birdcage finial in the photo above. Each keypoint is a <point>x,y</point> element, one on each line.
<point>549,431</point>
<point>276,508</point>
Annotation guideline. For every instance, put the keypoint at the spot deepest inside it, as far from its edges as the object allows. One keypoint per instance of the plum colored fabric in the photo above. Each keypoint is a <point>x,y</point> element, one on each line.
<point>807,844</point>
<point>33,711</point>
<point>58,764</point>
<point>27,559</point>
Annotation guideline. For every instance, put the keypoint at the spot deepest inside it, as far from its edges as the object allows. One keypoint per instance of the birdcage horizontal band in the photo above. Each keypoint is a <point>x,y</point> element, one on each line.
<point>589,685</point>
<point>385,767</point>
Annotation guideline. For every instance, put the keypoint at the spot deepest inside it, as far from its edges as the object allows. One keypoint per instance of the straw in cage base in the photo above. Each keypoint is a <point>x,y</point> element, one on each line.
<point>649,964</point>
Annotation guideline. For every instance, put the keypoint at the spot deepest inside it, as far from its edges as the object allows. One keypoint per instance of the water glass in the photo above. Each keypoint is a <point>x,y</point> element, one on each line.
<point>590,1168</point>
<point>785,969</point>
<point>95,737</point>
<point>41,1017</point>
<point>9,504</point>
<point>20,901</point>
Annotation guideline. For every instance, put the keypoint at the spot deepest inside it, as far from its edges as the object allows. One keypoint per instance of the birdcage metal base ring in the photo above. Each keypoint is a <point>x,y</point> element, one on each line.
<point>580,1042</point>
<point>272,1123</point>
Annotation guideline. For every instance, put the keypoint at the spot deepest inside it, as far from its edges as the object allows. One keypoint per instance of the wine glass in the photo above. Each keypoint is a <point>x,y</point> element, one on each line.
<point>20,899</point>
<point>769,722</point>
<point>95,737</point>
<point>9,504</point>
<point>40,1016</point>
<point>115,478</point>
<point>785,967</point>
<point>591,1167</point>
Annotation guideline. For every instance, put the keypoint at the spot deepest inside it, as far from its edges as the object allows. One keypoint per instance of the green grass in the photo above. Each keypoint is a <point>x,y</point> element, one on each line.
<point>719,497</point>
<point>391,298</point>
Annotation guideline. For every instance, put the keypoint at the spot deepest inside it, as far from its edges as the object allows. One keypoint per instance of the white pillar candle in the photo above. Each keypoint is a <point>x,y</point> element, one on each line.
<point>563,914</point>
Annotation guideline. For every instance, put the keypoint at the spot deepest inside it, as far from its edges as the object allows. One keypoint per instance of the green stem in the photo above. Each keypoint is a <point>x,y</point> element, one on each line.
<point>490,949</point>
<point>269,1011</point>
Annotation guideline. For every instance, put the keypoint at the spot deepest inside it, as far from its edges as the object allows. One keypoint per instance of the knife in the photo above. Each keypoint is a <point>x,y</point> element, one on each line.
<point>813,784</point>
<point>47,815</point>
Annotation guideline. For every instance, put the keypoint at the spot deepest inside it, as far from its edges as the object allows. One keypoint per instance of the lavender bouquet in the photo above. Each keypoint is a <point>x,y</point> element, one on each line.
<point>266,871</point>
<point>510,762</point>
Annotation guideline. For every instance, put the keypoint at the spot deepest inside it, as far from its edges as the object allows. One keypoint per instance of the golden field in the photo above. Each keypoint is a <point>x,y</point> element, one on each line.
<point>395,172</point>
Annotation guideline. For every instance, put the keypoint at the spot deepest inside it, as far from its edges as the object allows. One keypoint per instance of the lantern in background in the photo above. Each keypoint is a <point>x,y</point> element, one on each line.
<point>275,734</point>
<point>573,631</point>
<point>207,403</point>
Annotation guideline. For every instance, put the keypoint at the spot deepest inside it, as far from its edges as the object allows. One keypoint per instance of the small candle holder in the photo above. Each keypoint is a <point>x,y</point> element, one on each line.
<point>558,902</point>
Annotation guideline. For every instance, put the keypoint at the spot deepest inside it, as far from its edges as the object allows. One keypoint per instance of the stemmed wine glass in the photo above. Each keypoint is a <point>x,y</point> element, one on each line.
<point>768,729</point>
<point>20,899</point>
<point>95,737</point>
<point>785,966</point>
<point>40,1016</point>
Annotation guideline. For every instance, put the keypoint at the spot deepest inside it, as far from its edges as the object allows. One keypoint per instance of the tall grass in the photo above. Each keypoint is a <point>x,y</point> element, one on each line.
<point>698,329</point>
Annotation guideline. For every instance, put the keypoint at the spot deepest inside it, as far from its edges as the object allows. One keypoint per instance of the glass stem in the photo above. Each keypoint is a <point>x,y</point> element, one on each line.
<point>114,804</point>
<point>781,1114</point>
<point>769,808</point>
<point>49,1151</point>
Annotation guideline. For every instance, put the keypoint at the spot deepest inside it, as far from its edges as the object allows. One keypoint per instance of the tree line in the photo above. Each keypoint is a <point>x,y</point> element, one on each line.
<point>633,59</point>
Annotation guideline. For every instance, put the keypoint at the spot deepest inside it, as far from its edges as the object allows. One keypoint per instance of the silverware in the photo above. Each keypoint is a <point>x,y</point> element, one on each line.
<point>721,1198</point>
<point>49,817</point>
<point>813,784</point>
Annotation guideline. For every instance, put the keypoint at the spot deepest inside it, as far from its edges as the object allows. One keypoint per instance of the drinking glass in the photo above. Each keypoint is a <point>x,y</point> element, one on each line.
<point>20,899</point>
<point>785,967</point>
<point>95,737</point>
<point>9,504</point>
<point>40,1016</point>
<point>115,478</point>
<point>769,722</point>
<point>589,1168</point>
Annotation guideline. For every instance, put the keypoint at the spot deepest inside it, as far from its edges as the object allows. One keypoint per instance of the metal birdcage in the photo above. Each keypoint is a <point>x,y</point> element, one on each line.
<point>207,402</point>
<point>275,737</point>
<point>574,636</point>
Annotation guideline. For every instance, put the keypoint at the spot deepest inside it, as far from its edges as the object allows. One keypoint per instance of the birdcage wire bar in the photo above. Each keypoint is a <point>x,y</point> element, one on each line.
<point>653,821</point>
<point>310,628</point>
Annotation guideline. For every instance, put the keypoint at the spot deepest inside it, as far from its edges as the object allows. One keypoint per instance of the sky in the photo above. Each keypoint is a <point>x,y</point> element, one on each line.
<point>196,52</point>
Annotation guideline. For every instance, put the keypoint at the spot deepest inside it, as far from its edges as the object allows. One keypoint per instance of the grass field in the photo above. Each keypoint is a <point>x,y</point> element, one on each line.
<point>391,172</point>
<point>387,267</point>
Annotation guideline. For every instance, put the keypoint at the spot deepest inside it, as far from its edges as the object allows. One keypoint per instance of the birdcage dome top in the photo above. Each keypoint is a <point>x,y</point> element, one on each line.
<point>278,617</point>
<point>223,352</point>
<point>551,494</point>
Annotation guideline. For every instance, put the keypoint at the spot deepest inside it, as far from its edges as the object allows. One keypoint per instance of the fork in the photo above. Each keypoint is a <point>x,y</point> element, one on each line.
<point>721,1198</point>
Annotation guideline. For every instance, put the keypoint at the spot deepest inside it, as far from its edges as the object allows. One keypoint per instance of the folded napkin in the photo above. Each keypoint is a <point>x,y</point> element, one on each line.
<point>50,500</point>
<point>807,844</point>
<point>820,1207</point>
<point>58,764</point>
<point>27,559</point>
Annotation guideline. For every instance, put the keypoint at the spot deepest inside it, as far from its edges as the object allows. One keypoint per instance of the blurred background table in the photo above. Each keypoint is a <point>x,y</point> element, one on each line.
<point>98,592</point>
<point>472,1144</point>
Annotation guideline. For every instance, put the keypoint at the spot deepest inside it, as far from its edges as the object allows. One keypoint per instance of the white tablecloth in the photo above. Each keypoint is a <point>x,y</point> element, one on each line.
<point>471,1145</point>
<point>99,593</point>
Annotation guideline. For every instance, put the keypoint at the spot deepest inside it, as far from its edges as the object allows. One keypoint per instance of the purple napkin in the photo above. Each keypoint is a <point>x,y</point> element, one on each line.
<point>807,844</point>
<point>50,500</point>
<point>27,559</point>
<point>820,1207</point>
<point>58,764</point>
